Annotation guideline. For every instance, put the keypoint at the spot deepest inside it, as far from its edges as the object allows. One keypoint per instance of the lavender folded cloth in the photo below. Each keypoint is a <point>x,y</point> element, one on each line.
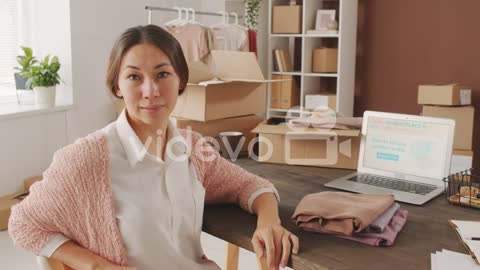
<point>382,221</point>
<point>387,237</point>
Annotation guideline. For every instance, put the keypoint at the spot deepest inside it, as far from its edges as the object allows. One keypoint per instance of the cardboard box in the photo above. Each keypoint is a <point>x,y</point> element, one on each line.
<point>308,146</point>
<point>461,160</point>
<point>6,203</point>
<point>450,95</point>
<point>463,116</point>
<point>284,93</point>
<point>27,183</point>
<point>323,100</point>
<point>231,85</point>
<point>325,60</point>
<point>244,124</point>
<point>287,19</point>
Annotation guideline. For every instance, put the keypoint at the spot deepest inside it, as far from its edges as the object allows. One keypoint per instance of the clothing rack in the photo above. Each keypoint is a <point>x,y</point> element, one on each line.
<point>152,8</point>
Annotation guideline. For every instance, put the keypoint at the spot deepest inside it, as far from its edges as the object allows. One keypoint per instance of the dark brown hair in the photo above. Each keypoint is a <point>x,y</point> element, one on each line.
<point>150,34</point>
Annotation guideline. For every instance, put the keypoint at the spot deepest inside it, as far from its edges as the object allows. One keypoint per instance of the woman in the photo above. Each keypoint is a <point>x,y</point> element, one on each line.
<point>132,194</point>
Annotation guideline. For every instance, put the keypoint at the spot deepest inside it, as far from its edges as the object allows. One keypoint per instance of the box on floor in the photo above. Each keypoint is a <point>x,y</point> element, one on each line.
<point>231,85</point>
<point>448,95</point>
<point>463,116</point>
<point>287,19</point>
<point>212,128</point>
<point>284,93</point>
<point>308,146</point>
<point>461,160</point>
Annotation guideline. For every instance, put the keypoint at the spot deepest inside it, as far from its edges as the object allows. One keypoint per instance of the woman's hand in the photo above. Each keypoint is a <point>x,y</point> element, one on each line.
<point>270,238</point>
<point>276,242</point>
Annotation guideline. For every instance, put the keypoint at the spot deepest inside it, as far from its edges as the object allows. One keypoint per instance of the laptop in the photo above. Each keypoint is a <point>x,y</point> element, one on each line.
<point>404,155</point>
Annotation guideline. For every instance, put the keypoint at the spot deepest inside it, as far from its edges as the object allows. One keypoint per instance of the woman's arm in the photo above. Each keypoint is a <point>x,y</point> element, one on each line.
<point>270,236</point>
<point>80,258</point>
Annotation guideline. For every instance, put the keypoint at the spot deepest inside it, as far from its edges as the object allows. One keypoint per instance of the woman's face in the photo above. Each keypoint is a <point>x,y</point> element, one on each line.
<point>148,84</point>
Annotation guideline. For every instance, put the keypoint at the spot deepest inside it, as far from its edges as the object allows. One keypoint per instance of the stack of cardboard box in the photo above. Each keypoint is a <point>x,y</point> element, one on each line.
<point>224,95</point>
<point>452,101</point>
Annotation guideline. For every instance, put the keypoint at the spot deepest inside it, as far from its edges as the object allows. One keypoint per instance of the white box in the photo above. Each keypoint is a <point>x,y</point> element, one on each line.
<point>322,100</point>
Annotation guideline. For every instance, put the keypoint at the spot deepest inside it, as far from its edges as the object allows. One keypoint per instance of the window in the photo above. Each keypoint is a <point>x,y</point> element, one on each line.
<point>8,46</point>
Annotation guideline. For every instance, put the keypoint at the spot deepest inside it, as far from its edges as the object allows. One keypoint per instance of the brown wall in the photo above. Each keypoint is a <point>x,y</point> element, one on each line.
<point>404,43</point>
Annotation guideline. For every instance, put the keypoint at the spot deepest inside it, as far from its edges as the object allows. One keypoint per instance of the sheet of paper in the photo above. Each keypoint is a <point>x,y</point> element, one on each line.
<point>448,260</point>
<point>467,229</point>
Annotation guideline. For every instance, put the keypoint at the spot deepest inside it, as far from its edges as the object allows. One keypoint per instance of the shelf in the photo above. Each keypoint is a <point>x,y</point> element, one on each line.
<point>332,75</point>
<point>284,110</point>
<point>286,35</point>
<point>301,47</point>
<point>305,35</point>
<point>321,35</point>
<point>293,73</point>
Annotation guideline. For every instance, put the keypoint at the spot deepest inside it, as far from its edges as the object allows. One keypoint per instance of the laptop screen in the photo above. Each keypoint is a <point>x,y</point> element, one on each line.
<point>406,147</point>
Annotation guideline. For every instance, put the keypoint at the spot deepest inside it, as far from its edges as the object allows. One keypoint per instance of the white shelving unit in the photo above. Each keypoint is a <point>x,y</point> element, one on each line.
<point>342,82</point>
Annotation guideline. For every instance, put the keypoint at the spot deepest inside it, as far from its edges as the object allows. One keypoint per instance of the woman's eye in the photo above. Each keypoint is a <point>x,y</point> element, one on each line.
<point>163,74</point>
<point>133,77</point>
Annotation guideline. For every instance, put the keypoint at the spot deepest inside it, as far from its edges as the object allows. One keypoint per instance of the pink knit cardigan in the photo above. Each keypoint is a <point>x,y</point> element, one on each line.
<point>75,196</point>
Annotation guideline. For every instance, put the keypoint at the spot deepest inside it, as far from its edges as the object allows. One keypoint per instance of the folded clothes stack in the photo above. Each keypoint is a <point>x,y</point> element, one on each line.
<point>372,219</point>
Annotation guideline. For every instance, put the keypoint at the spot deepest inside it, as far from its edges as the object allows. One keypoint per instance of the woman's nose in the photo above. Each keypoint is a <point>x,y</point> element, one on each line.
<point>150,89</point>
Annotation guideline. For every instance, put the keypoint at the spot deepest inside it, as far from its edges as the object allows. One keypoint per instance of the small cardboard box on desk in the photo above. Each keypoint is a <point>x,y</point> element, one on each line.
<point>308,146</point>
<point>231,85</point>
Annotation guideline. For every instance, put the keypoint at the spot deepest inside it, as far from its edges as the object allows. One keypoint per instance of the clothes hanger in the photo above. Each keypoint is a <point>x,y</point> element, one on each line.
<point>174,22</point>
<point>223,23</point>
<point>235,15</point>
<point>186,19</point>
<point>192,20</point>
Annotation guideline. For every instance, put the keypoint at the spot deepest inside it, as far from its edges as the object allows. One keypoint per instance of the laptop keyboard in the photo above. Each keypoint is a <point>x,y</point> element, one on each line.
<point>391,183</point>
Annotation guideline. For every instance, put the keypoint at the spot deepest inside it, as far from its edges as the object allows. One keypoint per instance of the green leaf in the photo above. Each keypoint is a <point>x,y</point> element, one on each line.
<point>46,59</point>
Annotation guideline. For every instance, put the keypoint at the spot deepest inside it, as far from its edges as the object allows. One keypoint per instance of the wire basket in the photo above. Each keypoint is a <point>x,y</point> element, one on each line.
<point>463,188</point>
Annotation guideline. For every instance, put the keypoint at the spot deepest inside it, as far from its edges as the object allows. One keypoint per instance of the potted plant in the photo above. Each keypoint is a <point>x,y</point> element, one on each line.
<point>24,62</point>
<point>43,77</point>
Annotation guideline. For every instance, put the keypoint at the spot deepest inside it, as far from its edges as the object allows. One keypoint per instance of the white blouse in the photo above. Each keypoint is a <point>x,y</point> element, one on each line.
<point>158,203</point>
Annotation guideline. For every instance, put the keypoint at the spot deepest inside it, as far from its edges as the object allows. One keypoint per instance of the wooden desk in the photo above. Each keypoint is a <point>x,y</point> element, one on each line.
<point>426,231</point>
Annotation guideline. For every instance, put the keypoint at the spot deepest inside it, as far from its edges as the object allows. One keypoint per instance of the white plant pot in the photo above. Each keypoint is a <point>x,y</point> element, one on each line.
<point>45,96</point>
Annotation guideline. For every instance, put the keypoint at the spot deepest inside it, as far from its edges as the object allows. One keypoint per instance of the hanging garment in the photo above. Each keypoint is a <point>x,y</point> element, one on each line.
<point>231,37</point>
<point>193,39</point>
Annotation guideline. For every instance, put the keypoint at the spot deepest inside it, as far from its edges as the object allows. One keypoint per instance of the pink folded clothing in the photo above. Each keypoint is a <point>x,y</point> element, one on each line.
<point>387,237</point>
<point>340,213</point>
<point>383,220</point>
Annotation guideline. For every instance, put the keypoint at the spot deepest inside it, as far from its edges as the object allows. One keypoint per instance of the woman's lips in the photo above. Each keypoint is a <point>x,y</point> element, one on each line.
<point>152,108</point>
